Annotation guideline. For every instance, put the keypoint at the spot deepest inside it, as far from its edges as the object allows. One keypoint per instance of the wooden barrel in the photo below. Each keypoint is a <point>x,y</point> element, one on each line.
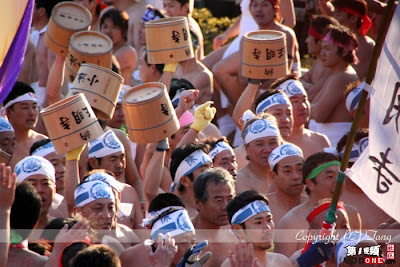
<point>66,19</point>
<point>101,88</point>
<point>88,47</point>
<point>264,55</point>
<point>168,40</point>
<point>71,123</point>
<point>4,157</point>
<point>149,114</point>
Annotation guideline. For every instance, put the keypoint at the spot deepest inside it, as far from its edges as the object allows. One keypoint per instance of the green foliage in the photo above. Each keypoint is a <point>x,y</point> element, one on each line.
<point>211,26</point>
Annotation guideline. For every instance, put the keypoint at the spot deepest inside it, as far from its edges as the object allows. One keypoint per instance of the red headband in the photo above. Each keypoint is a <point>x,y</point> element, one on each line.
<point>318,210</point>
<point>313,32</point>
<point>366,22</point>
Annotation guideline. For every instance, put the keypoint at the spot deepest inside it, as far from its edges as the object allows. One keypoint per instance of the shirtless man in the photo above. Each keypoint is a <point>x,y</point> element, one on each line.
<point>251,220</point>
<point>320,172</point>
<point>184,8</point>
<point>317,74</point>
<point>310,142</point>
<point>222,155</point>
<point>7,138</point>
<point>328,109</point>
<point>213,190</point>
<point>286,162</point>
<point>45,57</point>
<point>261,136</point>
<point>22,112</point>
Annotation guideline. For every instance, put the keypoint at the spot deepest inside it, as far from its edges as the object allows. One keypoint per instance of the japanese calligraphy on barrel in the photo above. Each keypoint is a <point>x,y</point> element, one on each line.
<point>66,19</point>
<point>101,88</point>
<point>264,55</point>
<point>168,40</point>
<point>4,157</point>
<point>71,123</point>
<point>88,47</point>
<point>150,116</point>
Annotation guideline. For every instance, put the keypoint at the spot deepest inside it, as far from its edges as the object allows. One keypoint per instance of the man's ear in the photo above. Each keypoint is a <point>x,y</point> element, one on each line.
<point>238,231</point>
<point>273,175</point>
<point>41,11</point>
<point>310,184</point>
<point>185,181</point>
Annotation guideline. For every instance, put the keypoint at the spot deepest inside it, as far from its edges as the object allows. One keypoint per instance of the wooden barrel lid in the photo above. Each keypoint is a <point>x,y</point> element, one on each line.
<point>143,95</point>
<point>71,16</point>
<point>165,22</point>
<point>91,42</point>
<point>263,35</point>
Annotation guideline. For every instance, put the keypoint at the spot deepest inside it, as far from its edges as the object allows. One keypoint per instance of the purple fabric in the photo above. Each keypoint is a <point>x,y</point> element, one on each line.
<point>15,56</point>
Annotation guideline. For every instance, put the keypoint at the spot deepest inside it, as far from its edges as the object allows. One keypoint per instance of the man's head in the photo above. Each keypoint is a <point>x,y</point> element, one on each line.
<point>320,172</point>
<point>359,145</point>
<point>21,107</point>
<point>277,104</point>
<point>107,152</point>
<point>251,219</point>
<point>339,45</point>
<point>222,154</point>
<point>42,10</point>
<point>96,255</point>
<point>150,14</point>
<point>298,97</point>
<point>286,162</point>
<point>175,8</point>
<point>213,190</point>
<point>118,118</point>
<point>114,24</point>
<point>149,72</point>
<point>25,212</point>
<point>40,173</point>
<point>316,31</point>
<point>44,148</point>
<point>353,14</point>
<point>353,95</point>
<point>187,163</point>
<point>261,136</point>
<point>7,136</point>
<point>264,11</point>
<point>95,201</point>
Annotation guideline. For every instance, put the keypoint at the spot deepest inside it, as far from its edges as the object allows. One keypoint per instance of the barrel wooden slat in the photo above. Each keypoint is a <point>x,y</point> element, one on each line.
<point>264,55</point>
<point>66,19</point>
<point>88,47</point>
<point>150,116</point>
<point>168,40</point>
<point>71,123</point>
<point>101,88</point>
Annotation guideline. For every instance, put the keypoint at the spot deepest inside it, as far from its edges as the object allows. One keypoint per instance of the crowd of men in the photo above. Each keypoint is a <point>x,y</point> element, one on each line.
<point>245,181</point>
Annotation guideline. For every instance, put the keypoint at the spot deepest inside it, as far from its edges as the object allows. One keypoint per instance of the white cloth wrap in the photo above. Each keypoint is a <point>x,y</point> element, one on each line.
<point>356,149</point>
<point>88,192</point>
<point>260,128</point>
<point>175,223</point>
<point>25,97</point>
<point>195,160</point>
<point>34,165</point>
<point>105,177</point>
<point>44,150</point>
<point>105,145</point>
<point>283,151</point>
<point>273,100</point>
<point>5,125</point>
<point>292,88</point>
<point>353,98</point>
<point>350,239</point>
<point>249,210</point>
<point>218,148</point>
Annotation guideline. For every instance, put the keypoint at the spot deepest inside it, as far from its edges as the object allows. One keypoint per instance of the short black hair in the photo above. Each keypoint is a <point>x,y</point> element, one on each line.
<point>159,67</point>
<point>320,23</point>
<point>52,229</point>
<point>25,210</point>
<point>19,88</point>
<point>38,144</point>
<point>242,200</point>
<point>48,5</point>
<point>118,18</point>
<point>71,251</point>
<point>179,84</point>
<point>96,255</point>
<point>165,200</point>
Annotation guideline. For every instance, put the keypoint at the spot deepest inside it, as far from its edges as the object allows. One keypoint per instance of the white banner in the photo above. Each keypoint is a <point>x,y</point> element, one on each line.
<point>377,171</point>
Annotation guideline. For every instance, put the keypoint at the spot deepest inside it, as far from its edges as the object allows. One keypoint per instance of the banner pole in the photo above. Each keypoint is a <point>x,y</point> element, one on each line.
<point>330,216</point>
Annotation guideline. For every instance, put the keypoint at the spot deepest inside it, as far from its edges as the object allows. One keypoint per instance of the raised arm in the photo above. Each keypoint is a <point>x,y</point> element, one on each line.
<point>245,101</point>
<point>55,80</point>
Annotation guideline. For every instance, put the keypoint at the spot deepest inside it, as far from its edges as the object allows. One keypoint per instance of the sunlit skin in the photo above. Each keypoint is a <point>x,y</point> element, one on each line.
<point>263,12</point>
<point>259,149</point>
<point>284,118</point>
<point>227,160</point>
<point>100,213</point>
<point>260,230</point>
<point>58,162</point>
<point>313,45</point>
<point>112,31</point>
<point>289,175</point>
<point>173,8</point>
<point>118,118</point>
<point>45,188</point>
<point>23,115</point>
<point>301,110</point>
<point>329,55</point>
<point>7,142</point>
<point>324,183</point>
<point>114,163</point>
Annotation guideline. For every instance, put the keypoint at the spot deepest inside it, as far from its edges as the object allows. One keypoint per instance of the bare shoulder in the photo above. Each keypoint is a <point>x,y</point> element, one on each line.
<point>318,137</point>
<point>292,219</point>
<point>134,253</point>
<point>38,136</point>
<point>277,259</point>
<point>287,30</point>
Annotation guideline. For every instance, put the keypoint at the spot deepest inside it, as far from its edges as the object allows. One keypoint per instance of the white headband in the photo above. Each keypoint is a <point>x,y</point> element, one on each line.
<point>273,100</point>
<point>283,151</point>
<point>5,126</point>
<point>195,160</point>
<point>260,128</point>
<point>350,239</point>
<point>105,177</point>
<point>353,98</point>
<point>105,145</point>
<point>25,97</point>
<point>292,88</point>
<point>44,150</point>
<point>218,148</point>
<point>119,100</point>
<point>175,223</point>
<point>34,165</point>
<point>88,192</point>
<point>357,149</point>
<point>249,210</point>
